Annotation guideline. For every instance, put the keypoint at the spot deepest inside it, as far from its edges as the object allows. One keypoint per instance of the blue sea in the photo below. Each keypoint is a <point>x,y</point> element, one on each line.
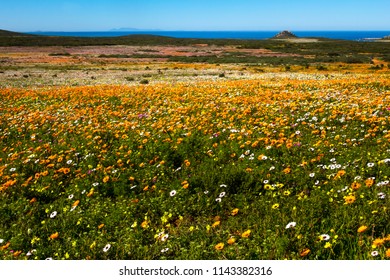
<point>250,35</point>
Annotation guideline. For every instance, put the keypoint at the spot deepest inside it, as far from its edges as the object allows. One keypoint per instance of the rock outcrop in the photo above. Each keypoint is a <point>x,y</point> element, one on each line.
<point>285,35</point>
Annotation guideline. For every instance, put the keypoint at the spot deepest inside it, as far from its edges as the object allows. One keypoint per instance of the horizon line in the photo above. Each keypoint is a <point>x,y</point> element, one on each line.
<point>225,30</point>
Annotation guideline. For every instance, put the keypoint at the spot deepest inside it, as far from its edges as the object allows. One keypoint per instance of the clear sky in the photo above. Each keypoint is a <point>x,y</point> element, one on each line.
<point>102,15</point>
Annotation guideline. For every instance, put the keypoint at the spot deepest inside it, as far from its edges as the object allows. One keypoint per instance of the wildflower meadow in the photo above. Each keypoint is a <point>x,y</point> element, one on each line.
<point>285,167</point>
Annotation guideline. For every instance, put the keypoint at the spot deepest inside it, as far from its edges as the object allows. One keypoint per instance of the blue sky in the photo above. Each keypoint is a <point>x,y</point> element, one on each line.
<point>99,15</point>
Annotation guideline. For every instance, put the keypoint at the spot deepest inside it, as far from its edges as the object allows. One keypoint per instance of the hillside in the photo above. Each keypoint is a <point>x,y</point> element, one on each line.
<point>6,33</point>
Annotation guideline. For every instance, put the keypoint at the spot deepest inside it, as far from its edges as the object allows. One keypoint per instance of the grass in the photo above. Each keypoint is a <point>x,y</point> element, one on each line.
<point>248,169</point>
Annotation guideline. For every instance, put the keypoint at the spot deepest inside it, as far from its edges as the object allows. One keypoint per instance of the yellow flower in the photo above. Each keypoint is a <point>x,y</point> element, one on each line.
<point>92,245</point>
<point>219,246</point>
<point>106,179</point>
<point>349,199</point>
<point>235,211</point>
<point>275,206</point>
<point>246,234</point>
<point>327,245</point>
<point>362,229</point>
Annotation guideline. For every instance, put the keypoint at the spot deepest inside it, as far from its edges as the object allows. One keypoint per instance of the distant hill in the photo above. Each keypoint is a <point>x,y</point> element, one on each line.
<point>6,33</point>
<point>285,35</point>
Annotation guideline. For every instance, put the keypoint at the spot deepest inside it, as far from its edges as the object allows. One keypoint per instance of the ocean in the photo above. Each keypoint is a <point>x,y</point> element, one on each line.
<point>250,35</point>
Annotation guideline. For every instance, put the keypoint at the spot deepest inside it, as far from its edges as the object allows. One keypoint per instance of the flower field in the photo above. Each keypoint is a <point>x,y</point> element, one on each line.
<point>290,167</point>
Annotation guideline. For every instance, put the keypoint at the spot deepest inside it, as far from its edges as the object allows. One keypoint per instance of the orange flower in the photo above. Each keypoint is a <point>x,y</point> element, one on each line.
<point>231,240</point>
<point>54,235</point>
<point>215,224</point>
<point>145,224</point>
<point>17,253</point>
<point>32,200</point>
<point>287,170</point>
<point>369,182</point>
<point>378,242</point>
<point>235,211</point>
<point>90,192</point>
<point>76,203</point>
<point>5,246</point>
<point>106,179</point>
<point>388,253</point>
<point>100,226</point>
<point>185,184</point>
<point>355,185</point>
<point>246,233</point>
<point>304,252</point>
<point>362,229</point>
<point>219,246</point>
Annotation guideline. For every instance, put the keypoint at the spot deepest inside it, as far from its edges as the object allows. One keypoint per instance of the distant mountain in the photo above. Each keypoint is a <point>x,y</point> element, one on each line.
<point>132,29</point>
<point>285,35</point>
<point>6,33</point>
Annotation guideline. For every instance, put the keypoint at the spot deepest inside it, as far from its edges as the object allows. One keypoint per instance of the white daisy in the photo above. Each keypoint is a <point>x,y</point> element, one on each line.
<point>324,237</point>
<point>222,194</point>
<point>164,250</point>
<point>291,225</point>
<point>218,199</point>
<point>164,237</point>
<point>374,253</point>
<point>53,214</point>
<point>381,195</point>
<point>172,193</point>
<point>106,248</point>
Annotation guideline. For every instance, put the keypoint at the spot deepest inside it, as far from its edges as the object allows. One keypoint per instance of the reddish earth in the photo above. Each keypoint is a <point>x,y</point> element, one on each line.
<point>88,54</point>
